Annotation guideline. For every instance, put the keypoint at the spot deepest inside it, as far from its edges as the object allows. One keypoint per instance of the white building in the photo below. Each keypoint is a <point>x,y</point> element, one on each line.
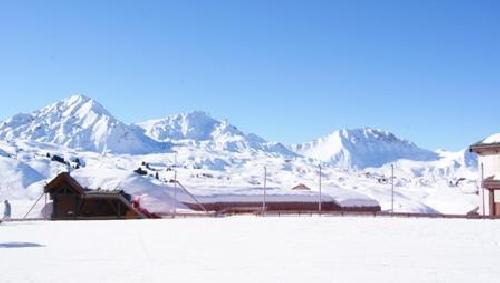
<point>488,152</point>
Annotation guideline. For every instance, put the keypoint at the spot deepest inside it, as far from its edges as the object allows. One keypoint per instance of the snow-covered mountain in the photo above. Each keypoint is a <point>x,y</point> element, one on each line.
<point>200,130</point>
<point>81,123</point>
<point>362,148</point>
<point>214,158</point>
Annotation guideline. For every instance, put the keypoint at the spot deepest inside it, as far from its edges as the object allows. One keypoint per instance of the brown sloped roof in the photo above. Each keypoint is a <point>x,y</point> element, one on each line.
<point>63,177</point>
<point>485,148</point>
<point>301,187</point>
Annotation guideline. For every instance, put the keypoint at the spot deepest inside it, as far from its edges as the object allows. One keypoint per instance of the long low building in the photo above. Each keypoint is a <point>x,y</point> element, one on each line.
<point>275,199</point>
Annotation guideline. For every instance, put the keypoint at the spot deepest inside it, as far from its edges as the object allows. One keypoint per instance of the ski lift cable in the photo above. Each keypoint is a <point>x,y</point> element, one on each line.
<point>190,194</point>
<point>34,205</point>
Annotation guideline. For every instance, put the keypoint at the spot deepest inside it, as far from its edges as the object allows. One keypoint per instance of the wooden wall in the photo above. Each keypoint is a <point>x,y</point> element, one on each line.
<point>276,206</point>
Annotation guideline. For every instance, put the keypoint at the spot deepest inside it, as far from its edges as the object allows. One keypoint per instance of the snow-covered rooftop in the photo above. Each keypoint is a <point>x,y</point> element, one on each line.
<point>495,138</point>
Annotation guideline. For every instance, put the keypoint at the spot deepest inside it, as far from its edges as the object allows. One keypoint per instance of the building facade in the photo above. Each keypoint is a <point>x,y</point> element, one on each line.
<point>71,201</point>
<point>488,152</point>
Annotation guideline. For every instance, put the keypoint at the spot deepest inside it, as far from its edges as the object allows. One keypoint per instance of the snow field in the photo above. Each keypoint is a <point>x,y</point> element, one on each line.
<point>252,249</point>
<point>419,186</point>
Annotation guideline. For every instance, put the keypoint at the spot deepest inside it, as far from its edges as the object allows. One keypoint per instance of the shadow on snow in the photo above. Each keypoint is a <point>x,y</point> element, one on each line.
<point>18,245</point>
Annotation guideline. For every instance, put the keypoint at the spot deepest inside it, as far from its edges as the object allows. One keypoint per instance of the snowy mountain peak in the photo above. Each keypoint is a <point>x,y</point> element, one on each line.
<point>78,122</point>
<point>371,134</point>
<point>76,105</point>
<point>77,98</point>
<point>196,125</point>
<point>362,148</point>
<point>200,129</point>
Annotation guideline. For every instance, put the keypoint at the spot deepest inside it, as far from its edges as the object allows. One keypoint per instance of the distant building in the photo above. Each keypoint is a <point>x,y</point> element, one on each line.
<point>277,200</point>
<point>488,152</point>
<point>72,201</point>
<point>301,187</point>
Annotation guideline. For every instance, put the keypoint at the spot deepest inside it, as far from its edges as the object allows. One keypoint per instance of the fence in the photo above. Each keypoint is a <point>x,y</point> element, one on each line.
<point>302,213</point>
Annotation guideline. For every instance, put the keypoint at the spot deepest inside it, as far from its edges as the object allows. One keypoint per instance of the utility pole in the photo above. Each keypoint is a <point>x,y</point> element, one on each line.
<point>45,207</point>
<point>265,183</point>
<point>320,191</point>
<point>482,188</point>
<point>392,188</point>
<point>175,185</point>
<point>175,193</point>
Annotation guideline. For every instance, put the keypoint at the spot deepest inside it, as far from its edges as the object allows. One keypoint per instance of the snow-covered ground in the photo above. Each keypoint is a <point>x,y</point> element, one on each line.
<point>420,186</point>
<point>251,249</point>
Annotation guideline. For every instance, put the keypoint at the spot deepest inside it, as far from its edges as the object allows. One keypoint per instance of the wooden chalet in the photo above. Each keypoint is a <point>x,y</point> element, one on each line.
<point>489,159</point>
<point>72,201</point>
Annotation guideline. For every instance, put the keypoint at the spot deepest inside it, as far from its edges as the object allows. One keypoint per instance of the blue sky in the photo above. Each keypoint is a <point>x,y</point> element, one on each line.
<point>290,71</point>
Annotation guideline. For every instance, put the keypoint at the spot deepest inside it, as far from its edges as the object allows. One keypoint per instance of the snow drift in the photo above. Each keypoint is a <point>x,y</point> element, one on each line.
<point>16,176</point>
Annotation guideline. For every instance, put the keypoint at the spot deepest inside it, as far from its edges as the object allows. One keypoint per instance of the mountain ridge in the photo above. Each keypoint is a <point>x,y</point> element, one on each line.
<point>78,122</point>
<point>201,129</point>
<point>362,148</point>
<point>82,123</point>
